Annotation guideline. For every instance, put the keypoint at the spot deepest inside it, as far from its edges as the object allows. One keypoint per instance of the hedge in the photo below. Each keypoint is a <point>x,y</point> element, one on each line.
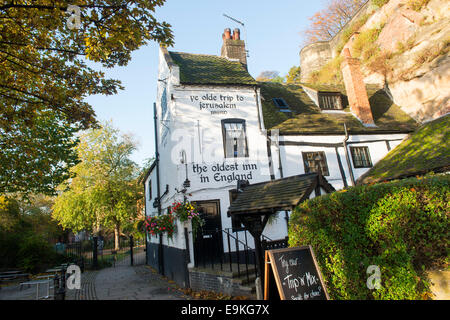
<point>401,226</point>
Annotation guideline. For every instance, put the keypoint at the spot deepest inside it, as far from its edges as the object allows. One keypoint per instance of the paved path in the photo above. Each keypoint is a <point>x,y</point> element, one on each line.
<point>125,283</point>
<point>119,283</point>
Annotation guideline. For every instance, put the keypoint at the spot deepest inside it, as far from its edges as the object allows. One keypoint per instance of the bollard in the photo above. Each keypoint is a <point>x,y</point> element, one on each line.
<point>259,294</point>
<point>59,293</point>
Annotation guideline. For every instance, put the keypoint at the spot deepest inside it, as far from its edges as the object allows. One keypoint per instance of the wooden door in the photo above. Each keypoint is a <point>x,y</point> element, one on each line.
<point>208,243</point>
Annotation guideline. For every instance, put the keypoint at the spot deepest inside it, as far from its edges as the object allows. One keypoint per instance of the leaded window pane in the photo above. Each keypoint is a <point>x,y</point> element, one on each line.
<point>314,160</point>
<point>235,139</point>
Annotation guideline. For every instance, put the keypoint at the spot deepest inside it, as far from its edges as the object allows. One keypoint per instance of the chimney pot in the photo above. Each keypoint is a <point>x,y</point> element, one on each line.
<point>227,34</point>
<point>236,34</point>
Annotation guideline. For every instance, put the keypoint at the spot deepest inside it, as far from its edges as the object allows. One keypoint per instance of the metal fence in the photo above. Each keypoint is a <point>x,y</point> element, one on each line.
<point>98,253</point>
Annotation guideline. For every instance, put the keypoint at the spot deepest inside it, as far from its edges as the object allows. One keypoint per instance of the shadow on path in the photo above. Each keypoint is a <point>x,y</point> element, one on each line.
<point>125,283</point>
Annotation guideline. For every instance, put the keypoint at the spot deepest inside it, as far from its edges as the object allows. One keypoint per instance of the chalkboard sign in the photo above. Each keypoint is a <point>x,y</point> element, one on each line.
<point>293,274</point>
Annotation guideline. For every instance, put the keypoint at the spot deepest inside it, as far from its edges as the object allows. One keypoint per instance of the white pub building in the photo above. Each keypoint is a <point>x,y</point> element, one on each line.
<point>215,125</point>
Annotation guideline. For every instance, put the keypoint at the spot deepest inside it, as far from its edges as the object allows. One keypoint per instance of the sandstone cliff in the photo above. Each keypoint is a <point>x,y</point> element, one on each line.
<point>403,45</point>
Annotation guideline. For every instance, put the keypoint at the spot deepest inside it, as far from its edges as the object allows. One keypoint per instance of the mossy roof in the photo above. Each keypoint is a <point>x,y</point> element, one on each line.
<point>307,118</point>
<point>426,150</point>
<point>276,195</point>
<point>205,69</point>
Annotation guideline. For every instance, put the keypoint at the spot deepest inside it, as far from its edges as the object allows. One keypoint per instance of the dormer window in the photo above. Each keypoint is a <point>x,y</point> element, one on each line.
<point>281,104</point>
<point>330,101</point>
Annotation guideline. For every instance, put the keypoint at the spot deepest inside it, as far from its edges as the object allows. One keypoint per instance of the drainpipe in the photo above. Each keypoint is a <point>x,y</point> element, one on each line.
<point>344,143</point>
<point>280,166</point>
<point>158,190</point>
<point>145,215</point>
<point>269,155</point>
<point>257,106</point>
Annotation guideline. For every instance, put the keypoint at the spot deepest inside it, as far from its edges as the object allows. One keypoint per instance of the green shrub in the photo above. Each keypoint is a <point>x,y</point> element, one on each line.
<point>9,245</point>
<point>35,254</point>
<point>402,226</point>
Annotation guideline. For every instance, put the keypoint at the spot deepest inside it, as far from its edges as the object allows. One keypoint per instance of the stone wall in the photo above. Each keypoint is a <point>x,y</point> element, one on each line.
<point>216,282</point>
<point>316,55</point>
<point>313,57</point>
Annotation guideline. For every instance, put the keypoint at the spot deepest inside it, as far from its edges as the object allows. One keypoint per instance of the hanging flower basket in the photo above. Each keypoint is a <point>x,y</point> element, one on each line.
<point>186,212</point>
<point>157,225</point>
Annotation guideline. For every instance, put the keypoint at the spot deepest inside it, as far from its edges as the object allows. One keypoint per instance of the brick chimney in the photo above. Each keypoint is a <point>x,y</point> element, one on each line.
<point>233,47</point>
<point>356,89</point>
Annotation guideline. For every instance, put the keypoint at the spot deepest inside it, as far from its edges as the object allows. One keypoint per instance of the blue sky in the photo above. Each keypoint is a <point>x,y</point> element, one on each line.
<point>273,32</point>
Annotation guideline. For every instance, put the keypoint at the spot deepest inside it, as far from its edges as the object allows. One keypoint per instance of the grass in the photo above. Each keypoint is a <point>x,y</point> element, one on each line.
<point>350,30</point>
<point>330,73</point>
<point>417,5</point>
<point>365,44</point>
<point>379,3</point>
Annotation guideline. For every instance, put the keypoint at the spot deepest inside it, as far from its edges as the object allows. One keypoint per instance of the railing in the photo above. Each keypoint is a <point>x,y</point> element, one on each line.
<point>274,244</point>
<point>210,245</point>
<point>96,253</point>
<point>209,252</point>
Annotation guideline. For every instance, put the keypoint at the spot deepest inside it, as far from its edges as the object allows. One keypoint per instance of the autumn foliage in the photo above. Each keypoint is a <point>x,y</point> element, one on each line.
<point>326,23</point>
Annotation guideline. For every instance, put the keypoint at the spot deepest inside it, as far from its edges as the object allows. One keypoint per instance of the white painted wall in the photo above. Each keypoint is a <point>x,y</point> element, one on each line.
<point>292,160</point>
<point>192,131</point>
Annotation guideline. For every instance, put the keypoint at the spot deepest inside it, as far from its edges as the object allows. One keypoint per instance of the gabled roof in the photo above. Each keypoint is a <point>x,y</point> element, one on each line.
<point>276,195</point>
<point>307,118</point>
<point>205,69</point>
<point>145,173</point>
<point>426,150</point>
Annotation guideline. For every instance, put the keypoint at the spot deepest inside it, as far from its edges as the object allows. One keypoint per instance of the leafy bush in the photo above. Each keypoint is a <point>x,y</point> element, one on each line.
<point>402,227</point>
<point>9,245</point>
<point>35,254</point>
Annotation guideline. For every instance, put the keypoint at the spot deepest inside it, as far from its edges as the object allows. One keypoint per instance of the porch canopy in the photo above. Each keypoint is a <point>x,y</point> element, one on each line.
<point>254,203</point>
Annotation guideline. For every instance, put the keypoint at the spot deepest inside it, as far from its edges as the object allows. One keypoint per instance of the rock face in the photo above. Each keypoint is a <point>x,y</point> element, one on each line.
<point>440,280</point>
<point>426,96</point>
<point>418,41</point>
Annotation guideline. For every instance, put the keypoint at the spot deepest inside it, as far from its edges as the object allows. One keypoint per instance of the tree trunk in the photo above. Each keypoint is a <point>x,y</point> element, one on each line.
<point>116,237</point>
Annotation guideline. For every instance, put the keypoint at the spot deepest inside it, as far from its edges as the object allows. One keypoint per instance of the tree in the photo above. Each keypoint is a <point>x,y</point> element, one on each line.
<point>37,158</point>
<point>104,191</point>
<point>44,77</point>
<point>43,60</point>
<point>326,23</point>
<point>26,233</point>
<point>270,76</point>
<point>293,75</point>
